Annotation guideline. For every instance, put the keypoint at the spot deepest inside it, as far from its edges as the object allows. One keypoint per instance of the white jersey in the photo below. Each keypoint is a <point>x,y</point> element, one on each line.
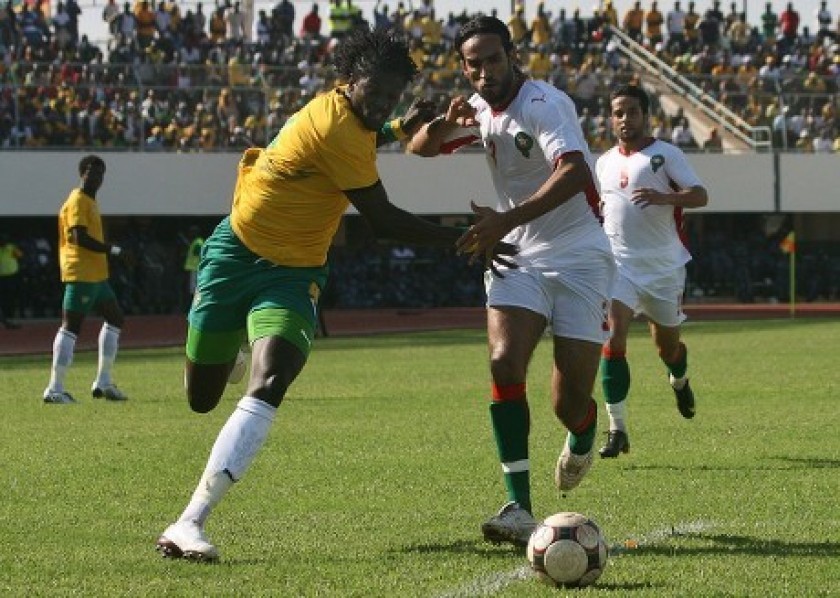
<point>523,144</point>
<point>645,241</point>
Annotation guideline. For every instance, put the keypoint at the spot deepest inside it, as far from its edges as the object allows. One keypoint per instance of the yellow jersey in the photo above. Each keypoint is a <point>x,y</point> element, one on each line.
<point>77,263</point>
<point>289,197</point>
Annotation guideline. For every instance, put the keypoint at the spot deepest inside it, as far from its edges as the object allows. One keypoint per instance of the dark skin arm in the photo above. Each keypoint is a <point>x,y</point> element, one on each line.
<point>420,112</point>
<point>79,236</point>
<point>389,221</point>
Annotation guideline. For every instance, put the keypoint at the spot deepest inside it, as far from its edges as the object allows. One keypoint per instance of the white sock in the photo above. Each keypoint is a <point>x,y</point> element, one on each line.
<point>63,347</point>
<point>677,383</point>
<point>236,446</point>
<point>617,413</point>
<point>109,338</point>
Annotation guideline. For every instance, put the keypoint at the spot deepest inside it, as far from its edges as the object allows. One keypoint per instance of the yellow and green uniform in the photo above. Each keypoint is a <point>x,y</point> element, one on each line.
<point>266,263</point>
<point>84,272</point>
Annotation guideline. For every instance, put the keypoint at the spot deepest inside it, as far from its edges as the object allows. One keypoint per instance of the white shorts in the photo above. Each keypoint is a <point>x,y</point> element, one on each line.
<point>659,300</point>
<point>574,304</point>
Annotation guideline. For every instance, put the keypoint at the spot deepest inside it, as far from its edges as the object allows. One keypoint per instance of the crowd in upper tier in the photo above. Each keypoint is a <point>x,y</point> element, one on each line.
<point>176,77</point>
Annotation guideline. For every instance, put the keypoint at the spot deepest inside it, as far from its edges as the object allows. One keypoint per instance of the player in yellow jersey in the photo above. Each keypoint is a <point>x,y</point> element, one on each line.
<point>264,266</point>
<point>83,256</point>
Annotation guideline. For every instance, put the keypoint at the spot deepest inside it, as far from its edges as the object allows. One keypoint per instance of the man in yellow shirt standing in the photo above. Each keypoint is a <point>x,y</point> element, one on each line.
<point>83,257</point>
<point>264,267</point>
<point>9,280</point>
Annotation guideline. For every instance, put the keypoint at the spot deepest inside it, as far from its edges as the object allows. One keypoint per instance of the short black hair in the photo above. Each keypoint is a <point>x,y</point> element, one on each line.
<point>89,161</point>
<point>366,52</point>
<point>481,24</point>
<point>632,91</point>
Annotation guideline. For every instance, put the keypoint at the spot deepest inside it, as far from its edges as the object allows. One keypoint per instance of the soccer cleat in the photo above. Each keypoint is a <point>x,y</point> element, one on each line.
<point>571,468</point>
<point>685,399</point>
<point>186,540</point>
<point>109,392</point>
<point>511,524</point>
<point>239,369</point>
<point>617,442</point>
<point>56,397</point>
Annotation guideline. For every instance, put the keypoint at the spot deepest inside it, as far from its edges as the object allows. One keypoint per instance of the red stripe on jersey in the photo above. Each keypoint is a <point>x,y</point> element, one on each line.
<point>679,220</point>
<point>451,146</point>
<point>593,198</point>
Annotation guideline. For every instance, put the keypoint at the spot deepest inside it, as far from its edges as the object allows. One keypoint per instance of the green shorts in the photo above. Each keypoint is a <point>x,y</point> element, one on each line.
<point>239,292</point>
<point>82,297</point>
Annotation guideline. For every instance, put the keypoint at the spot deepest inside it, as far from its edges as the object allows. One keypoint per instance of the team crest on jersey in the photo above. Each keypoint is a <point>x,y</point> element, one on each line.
<point>656,162</point>
<point>524,143</point>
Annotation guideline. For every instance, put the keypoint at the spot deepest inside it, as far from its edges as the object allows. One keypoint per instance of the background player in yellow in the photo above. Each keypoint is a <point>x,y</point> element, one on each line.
<point>264,266</point>
<point>83,256</point>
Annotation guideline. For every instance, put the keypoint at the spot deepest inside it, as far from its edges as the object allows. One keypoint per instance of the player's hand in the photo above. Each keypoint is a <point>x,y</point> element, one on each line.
<point>421,111</point>
<point>461,112</point>
<point>644,197</point>
<point>484,239</point>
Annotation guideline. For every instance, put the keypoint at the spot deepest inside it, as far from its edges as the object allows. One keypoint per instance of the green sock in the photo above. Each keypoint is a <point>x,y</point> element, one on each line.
<point>615,378</point>
<point>680,366</point>
<point>511,425</point>
<point>580,441</point>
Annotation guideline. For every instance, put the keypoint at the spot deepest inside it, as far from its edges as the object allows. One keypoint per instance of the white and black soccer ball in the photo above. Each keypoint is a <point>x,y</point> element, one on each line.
<point>568,550</point>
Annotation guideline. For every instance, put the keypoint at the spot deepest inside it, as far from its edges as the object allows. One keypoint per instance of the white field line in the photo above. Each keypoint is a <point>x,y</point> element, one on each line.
<point>487,585</point>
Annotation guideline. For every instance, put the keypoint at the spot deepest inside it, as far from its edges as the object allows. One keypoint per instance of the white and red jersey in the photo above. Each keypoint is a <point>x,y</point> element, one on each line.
<point>524,143</point>
<point>645,241</point>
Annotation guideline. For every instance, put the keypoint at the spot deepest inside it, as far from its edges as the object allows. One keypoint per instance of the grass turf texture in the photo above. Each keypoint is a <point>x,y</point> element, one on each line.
<point>381,467</point>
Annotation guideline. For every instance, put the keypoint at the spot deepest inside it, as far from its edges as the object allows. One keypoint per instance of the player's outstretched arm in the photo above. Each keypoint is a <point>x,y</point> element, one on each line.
<point>421,111</point>
<point>391,222</point>
<point>430,138</point>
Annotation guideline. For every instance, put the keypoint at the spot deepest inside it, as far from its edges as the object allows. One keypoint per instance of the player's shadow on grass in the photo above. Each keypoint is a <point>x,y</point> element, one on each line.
<point>733,545</point>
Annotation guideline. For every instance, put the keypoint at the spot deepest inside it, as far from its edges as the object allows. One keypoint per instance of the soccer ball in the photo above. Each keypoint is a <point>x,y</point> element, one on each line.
<point>568,550</point>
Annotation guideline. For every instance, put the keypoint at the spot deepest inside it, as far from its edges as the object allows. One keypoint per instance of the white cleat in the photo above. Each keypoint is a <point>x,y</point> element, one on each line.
<point>571,468</point>
<point>240,368</point>
<point>511,524</point>
<point>186,540</point>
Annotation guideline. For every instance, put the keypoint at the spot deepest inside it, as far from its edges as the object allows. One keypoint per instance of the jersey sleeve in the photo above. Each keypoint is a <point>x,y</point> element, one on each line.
<point>554,121</point>
<point>679,169</point>
<point>75,213</point>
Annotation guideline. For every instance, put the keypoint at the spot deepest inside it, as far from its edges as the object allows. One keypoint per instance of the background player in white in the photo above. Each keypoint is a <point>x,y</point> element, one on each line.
<point>645,185</point>
<point>546,205</point>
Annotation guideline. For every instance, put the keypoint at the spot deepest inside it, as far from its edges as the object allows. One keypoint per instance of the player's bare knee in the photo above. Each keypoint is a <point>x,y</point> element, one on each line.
<point>505,370</point>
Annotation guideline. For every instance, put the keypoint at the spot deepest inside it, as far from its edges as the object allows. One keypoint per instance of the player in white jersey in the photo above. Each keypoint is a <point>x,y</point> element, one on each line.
<point>645,185</point>
<point>547,206</point>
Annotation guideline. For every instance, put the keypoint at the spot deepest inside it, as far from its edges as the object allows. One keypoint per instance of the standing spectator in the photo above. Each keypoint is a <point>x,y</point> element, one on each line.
<point>681,135</point>
<point>10,283</point>
<point>109,15</point>
<point>541,170</point>
<point>73,12</point>
<point>645,186</point>
<point>823,19</point>
<point>653,25</point>
<point>789,25</point>
<point>633,21</point>
<point>234,21</point>
<point>517,26</point>
<point>769,23</point>
<point>284,14</point>
<point>675,26</point>
<point>83,255</point>
<point>247,7</point>
<point>311,27</point>
<point>692,21</point>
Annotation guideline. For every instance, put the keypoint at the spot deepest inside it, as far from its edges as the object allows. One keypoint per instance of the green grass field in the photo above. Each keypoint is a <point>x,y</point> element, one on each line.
<point>381,467</point>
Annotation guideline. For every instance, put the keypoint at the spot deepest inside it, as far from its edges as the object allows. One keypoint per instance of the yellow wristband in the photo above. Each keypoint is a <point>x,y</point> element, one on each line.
<point>397,130</point>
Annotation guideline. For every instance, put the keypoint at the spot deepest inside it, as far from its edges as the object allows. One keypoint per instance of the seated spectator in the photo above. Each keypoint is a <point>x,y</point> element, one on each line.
<point>681,135</point>
<point>714,142</point>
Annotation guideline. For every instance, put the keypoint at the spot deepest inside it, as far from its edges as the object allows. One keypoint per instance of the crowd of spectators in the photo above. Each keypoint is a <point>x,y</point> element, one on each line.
<point>180,77</point>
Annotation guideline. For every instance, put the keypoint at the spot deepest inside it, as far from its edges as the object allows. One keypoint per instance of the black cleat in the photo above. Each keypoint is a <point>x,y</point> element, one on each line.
<point>617,442</point>
<point>685,401</point>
